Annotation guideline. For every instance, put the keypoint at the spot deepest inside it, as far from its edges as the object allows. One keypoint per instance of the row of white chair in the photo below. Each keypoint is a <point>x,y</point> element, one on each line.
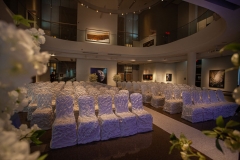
<point>65,132</point>
<point>206,105</point>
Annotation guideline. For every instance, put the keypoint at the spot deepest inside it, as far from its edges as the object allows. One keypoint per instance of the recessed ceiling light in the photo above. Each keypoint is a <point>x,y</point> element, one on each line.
<point>97,11</point>
<point>133,60</point>
<point>149,60</point>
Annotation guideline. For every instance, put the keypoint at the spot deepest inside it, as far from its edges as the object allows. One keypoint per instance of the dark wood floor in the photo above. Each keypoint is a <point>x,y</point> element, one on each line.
<point>152,145</point>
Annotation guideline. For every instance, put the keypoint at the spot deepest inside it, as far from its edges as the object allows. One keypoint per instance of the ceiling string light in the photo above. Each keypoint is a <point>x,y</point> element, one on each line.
<point>118,11</point>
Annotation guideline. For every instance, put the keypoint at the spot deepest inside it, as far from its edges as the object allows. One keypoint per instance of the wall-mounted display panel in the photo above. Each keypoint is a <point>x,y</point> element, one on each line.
<point>97,36</point>
<point>216,78</point>
<point>101,73</point>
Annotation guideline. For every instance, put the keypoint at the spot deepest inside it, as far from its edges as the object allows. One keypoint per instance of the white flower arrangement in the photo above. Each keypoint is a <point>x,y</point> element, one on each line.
<point>20,59</point>
<point>117,77</point>
<point>93,77</point>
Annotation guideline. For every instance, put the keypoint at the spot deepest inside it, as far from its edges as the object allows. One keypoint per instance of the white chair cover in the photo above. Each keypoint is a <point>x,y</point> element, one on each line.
<point>64,126</point>
<point>144,119</point>
<point>208,110</point>
<point>231,106</point>
<point>109,122</point>
<point>220,108</point>
<point>146,95</point>
<point>171,105</point>
<point>88,125</point>
<point>128,121</point>
<point>190,112</point>
<point>157,100</point>
<point>43,115</point>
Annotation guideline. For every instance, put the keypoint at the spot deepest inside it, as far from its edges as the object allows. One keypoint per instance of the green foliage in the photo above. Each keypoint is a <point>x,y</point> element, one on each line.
<point>183,144</point>
<point>36,135</point>
<point>235,47</point>
<point>224,132</point>
<point>19,19</point>
<point>42,157</point>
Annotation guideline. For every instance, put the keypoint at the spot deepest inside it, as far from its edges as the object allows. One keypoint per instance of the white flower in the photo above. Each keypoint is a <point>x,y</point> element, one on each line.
<point>16,51</point>
<point>236,95</point>
<point>236,133</point>
<point>184,155</point>
<point>11,148</point>
<point>36,35</point>
<point>13,95</point>
<point>235,59</point>
<point>185,147</point>
<point>20,58</point>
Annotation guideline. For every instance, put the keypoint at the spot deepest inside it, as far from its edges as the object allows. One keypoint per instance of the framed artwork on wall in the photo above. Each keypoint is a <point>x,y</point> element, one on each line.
<point>101,73</point>
<point>97,36</point>
<point>148,77</point>
<point>216,78</point>
<point>168,77</point>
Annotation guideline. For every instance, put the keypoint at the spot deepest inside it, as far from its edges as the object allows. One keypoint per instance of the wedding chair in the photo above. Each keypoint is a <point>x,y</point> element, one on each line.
<point>208,111</point>
<point>88,125</point>
<point>64,128</point>
<point>32,106</point>
<point>119,84</point>
<point>231,106</point>
<point>43,115</point>
<point>220,108</point>
<point>112,93</point>
<point>136,88</point>
<point>102,90</point>
<point>157,100</point>
<point>127,93</point>
<point>190,112</point>
<point>144,119</point>
<point>115,89</point>
<point>95,93</point>
<point>210,108</point>
<point>146,94</point>
<point>129,87</point>
<point>109,122</point>
<point>171,106</point>
<point>128,121</point>
<point>123,84</point>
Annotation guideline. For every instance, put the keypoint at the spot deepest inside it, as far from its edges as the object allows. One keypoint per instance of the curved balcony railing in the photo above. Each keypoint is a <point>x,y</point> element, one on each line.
<point>70,32</point>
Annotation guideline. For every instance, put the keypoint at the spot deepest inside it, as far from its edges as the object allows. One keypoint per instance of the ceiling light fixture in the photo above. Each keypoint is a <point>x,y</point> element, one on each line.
<point>149,60</point>
<point>97,11</point>
<point>110,13</point>
<point>133,60</point>
<point>149,7</point>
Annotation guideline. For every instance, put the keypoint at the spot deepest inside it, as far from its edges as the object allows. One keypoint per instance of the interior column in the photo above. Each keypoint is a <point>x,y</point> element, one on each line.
<point>191,68</point>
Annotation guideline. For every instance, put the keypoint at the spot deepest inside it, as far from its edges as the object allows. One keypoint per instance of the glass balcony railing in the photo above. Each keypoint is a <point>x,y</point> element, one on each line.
<point>70,32</point>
